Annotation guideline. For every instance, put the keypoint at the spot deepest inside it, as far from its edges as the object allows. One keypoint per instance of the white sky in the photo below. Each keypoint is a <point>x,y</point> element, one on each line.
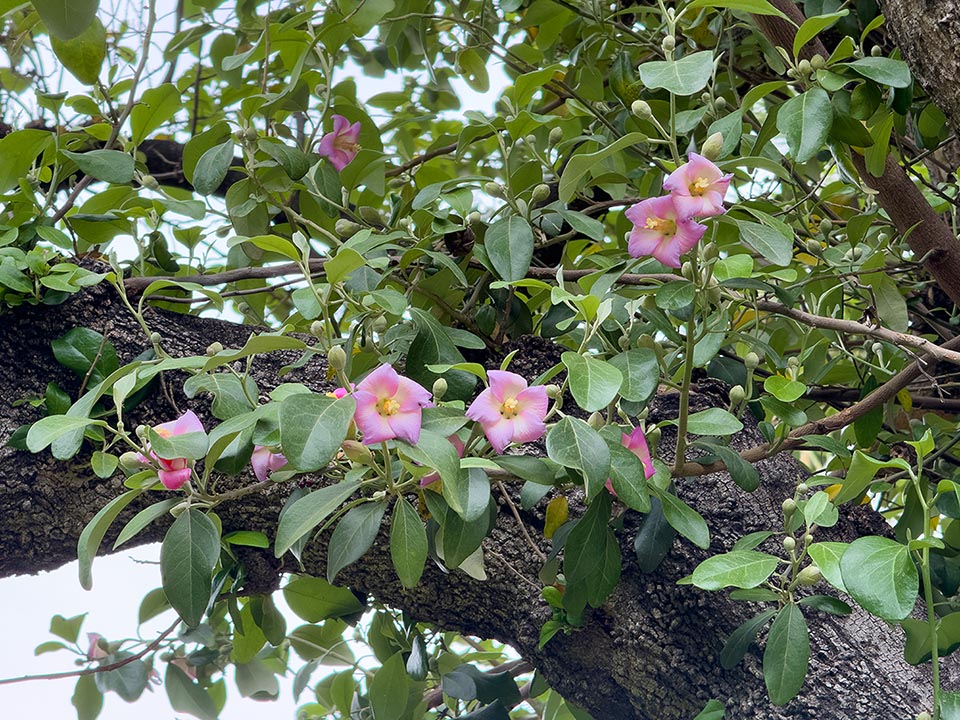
<point>120,582</point>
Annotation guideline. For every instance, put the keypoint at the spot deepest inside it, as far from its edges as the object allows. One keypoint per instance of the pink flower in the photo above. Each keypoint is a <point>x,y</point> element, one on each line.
<point>636,442</point>
<point>389,406</point>
<point>660,230</point>
<point>340,393</point>
<point>340,146</point>
<point>433,477</point>
<point>509,411</point>
<point>94,650</point>
<point>174,473</point>
<point>265,462</point>
<point>698,188</point>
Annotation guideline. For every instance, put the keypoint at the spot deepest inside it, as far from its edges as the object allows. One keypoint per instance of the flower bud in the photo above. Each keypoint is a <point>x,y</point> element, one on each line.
<point>705,97</point>
<point>553,391</point>
<point>826,226</point>
<point>646,341</point>
<point>876,51</point>
<point>789,544</point>
<point>155,338</point>
<point>357,452</point>
<point>213,348</point>
<point>876,348</point>
<point>371,215</point>
<point>556,135</point>
<point>346,228</point>
<point>379,325</point>
<point>687,270</point>
<point>641,108</point>
<point>493,189</point>
<point>803,488</point>
<point>720,103</point>
<point>807,539</point>
<point>653,436</point>
<point>813,246</point>
<point>668,44</point>
<point>792,362</point>
<point>316,328</point>
<point>751,361</point>
<point>595,420</point>
<point>712,146</point>
<point>337,358</point>
<point>405,223</point>
<point>439,388</point>
<point>141,431</point>
<point>531,139</point>
<point>131,461</point>
<point>803,67</point>
<point>789,507</point>
<point>817,62</point>
<point>250,134</point>
<point>473,218</point>
<point>791,73</point>
<point>540,193</point>
<point>623,342</point>
<point>149,182</point>
<point>711,252</point>
<point>737,395</point>
<point>810,575</point>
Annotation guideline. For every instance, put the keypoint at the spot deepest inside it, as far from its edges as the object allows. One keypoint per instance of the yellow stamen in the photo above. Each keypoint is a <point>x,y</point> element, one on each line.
<point>699,186</point>
<point>388,407</point>
<point>664,226</point>
<point>509,407</point>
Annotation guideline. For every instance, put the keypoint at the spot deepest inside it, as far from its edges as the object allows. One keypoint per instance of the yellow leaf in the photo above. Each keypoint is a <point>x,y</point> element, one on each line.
<point>557,512</point>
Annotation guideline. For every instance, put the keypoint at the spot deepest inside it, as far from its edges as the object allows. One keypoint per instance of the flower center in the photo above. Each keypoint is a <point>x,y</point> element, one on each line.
<point>388,407</point>
<point>699,186</point>
<point>664,226</point>
<point>509,407</point>
<point>342,142</point>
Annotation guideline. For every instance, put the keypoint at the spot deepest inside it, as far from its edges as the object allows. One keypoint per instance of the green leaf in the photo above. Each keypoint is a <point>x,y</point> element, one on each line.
<point>713,710</point>
<point>754,7</point>
<point>128,681</point>
<point>713,421</point>
<point>827,556</point>
<point>686,76</point>
<point>92,535</point>
<point>628,477</point>
<point>339,267</point>
<point>805,122</point>
<point>742,638</point>
<point>303,515</point>
<point>509,245</point>
<point>312,427</point>
<point>738,568</point>
<point>880,575</point>
<point>104,464</point>
<point>591,554</point>
<point>80,348</point>
<point>408,543</point>
<point>353,536</point>
<point>435,451</point>
<point>641,374</point>
<point>885,71</point>
<point>87,699</point>
<point>827,604</point>
<point>189,553</point>
<point>771,244</point>
<point>46,430</point>
<point>156,106</point>
<point>813,26</point>
<point>860,474</point>
<point>684,519</point>
<point>786,655</point>
<point>315,600</point>
<point>594,383</point>
<point>574,444</point>
<point>389,689</point>
<point>110,166</point>
<point>66,19</point>
<point>67,628</point>
<point>144,518</point>
<point>784,389</point>
<point>212,168</point>
<point>676,295</point>
<point>83,55</point>
<point>186,696</point>
<point>743,473</point>
<point>579,165</point>
<point>19,149</point>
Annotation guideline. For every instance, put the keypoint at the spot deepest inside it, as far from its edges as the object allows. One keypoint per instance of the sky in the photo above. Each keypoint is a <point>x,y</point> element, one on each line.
<point>121,580</point>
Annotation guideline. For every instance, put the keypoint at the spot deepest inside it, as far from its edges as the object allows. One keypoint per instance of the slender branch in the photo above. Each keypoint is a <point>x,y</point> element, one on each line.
<point>94,670</point>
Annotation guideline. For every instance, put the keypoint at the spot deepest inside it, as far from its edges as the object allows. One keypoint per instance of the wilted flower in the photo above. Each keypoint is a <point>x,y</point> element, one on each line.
<point>94,650</point>
<point>509,411</point>
<point>660,230</point>
<point>389,406</point>
<point>340,146</point>
<point>265,462</point>
<point>698,187</point>
<point>176,471</point>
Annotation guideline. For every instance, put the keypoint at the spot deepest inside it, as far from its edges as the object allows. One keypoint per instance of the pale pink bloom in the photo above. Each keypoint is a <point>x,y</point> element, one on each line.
<point>636,442</point>
<point>175,472</point>
<point>509,411</point>
<point>389,406</point>
<point>94,651</point>
<point>660,230</point>
<point>265,462</point>
<point>698,187</point>
<point>340,146</point>
<point>433,477</point>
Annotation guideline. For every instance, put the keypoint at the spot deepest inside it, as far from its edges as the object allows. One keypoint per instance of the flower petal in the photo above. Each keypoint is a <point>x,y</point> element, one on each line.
<point>382,382</point>
<point>527,427</point>
<point>411,395</point>
<point>406,425</point>
<point>643,242</point>
<point>260,460</point>
<point>485,409</point>
<point>174,479</point>
<point>499,433</point>
<point>374,426</point>
<point>534,400</point>
<point>504,384</point>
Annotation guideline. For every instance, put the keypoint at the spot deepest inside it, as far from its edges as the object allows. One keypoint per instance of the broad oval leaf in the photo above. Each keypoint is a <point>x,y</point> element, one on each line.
<point>306,513</point>
<point>771,244</point>
<point>880,575</point>
<point>713,421</point>
<point>805,122</point>
<point>212,168</point>
<point>685,76</point>
<point>574,444</point>
<point>641,374</point>
<point>594,383</point>
<point>738,568</point>
<point>408,543</point>
<point>188,556</point>
<point>353,536</point>
<point>509,245</point>
<point>312,428</point>
<point>66,19</point>
<point>786,655</point>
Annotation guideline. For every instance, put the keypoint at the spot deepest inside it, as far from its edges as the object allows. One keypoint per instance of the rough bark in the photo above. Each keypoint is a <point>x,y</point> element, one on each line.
<point>649,652</point>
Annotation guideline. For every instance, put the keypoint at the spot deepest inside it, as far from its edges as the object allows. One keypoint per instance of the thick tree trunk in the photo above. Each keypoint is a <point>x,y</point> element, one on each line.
<point>649,652</point>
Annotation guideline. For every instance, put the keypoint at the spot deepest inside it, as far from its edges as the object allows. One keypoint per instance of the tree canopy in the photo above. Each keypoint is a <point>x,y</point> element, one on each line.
<point>631,397</point>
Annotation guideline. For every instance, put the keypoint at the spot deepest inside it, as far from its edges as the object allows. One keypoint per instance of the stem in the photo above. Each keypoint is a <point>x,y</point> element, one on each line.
<point>680,457</point>
<point>932,622</point>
